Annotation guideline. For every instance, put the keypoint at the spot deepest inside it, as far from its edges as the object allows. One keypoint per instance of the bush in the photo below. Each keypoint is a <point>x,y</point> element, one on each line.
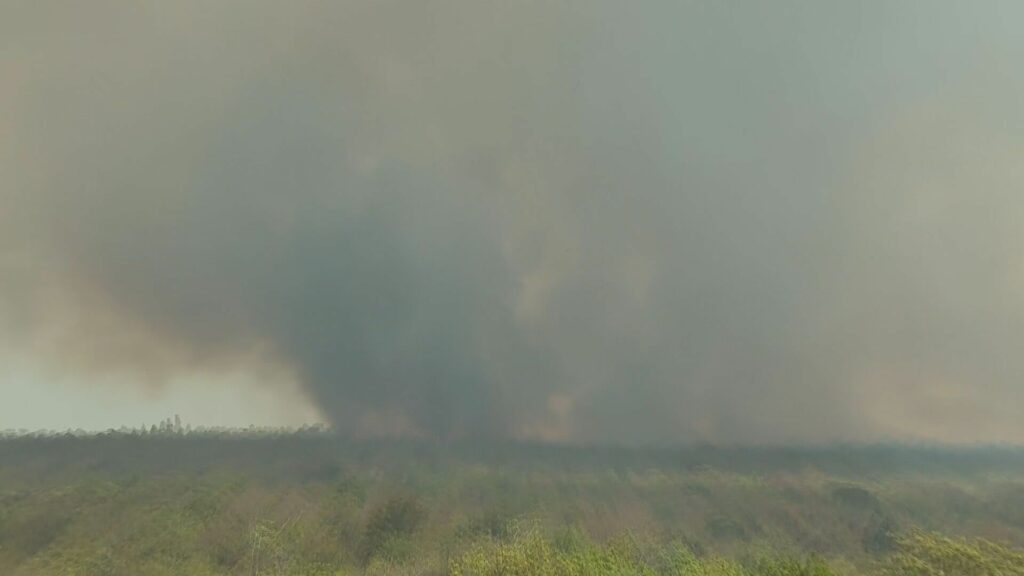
<point>390,526</point>
<point>530,554</point>
<point>925,554</point>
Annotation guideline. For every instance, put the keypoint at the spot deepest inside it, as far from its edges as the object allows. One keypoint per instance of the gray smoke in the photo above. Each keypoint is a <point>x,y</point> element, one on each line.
<point>578,220</point>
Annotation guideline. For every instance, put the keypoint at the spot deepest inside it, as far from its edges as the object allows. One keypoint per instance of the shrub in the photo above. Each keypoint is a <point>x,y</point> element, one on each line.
<point>925,554</point>
<point>390,525</point>
<point>530,554</point>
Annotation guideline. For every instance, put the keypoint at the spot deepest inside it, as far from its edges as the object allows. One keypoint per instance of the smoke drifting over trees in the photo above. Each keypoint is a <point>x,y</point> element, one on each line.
<point>580,221</point>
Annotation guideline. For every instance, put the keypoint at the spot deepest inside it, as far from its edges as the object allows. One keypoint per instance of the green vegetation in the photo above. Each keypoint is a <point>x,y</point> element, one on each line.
<point>308,503</point>
<point>531,554</point>
<point>922,554</point>
<point>918,554</point>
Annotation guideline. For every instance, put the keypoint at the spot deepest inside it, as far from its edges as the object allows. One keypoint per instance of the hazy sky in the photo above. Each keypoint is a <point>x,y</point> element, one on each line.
<point>590,221</point>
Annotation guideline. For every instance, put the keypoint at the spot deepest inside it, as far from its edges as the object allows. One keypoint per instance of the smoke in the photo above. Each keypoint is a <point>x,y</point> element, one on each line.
<point>574,221</point>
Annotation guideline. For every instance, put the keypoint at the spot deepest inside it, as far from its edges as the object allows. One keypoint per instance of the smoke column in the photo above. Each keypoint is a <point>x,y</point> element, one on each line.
<point>573,221</point>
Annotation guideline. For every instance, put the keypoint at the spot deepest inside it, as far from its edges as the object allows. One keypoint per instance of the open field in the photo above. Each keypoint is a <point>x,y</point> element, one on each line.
<point>308,502</point>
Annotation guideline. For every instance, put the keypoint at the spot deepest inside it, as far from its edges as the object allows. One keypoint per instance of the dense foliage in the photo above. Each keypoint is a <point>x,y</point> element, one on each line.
<point>307,503</point>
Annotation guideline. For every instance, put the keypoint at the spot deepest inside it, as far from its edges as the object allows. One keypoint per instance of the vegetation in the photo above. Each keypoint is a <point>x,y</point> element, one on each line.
<point>922,554</point>
<point>217,502</point>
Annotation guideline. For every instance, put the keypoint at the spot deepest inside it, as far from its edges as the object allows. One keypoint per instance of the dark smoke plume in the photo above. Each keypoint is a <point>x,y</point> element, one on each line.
<point>583,221</point>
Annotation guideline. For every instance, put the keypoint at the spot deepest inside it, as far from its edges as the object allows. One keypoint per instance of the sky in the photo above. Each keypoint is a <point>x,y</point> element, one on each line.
<point>574,221</point>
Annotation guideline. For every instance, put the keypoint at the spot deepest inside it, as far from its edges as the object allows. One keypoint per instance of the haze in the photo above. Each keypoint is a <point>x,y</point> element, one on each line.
<point>574,221</point>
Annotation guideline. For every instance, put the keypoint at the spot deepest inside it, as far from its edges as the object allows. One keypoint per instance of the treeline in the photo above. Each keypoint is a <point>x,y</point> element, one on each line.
<point>169,427</point>
<point>318,446</point>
